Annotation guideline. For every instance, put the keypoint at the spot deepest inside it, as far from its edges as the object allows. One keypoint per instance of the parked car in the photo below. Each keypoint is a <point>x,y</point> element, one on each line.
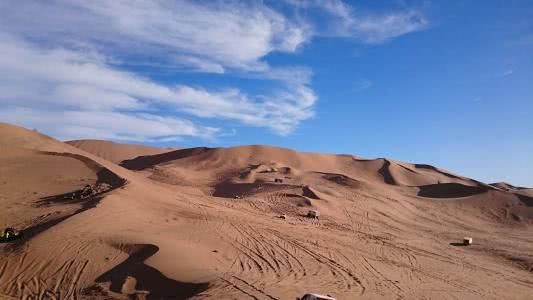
<point>315,297</point>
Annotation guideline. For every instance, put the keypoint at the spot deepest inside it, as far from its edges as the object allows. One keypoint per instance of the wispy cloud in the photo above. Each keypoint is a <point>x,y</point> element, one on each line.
<point>507,73</point>
<point>377,29</point>
<point>73,124</point>
<point>199,65</point>
<point>523,41</point>
<point>368,27</point>
<point>502,73</point>
<point>363,84</point>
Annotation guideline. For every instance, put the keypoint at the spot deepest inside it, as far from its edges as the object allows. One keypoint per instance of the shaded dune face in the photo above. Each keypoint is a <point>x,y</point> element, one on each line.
<point>388,178</point>
<point>144,162</point>
<point>231,223</point>
<point>450,190</point>
<point>527,200</point>
<point>115,152</point>
<point>342,180</point>
<point>308,192</point>
<point>231,190</point>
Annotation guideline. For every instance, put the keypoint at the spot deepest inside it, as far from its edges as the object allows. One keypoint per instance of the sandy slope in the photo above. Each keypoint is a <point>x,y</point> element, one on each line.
<point>115,152</point>
<point>203,223</point>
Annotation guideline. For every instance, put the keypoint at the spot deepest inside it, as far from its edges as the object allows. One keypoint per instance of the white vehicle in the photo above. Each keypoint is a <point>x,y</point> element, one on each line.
<point>315,297</point>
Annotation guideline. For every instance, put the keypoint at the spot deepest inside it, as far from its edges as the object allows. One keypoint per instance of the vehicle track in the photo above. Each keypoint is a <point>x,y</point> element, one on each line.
<point>63,283</point>
<point>337,271</point>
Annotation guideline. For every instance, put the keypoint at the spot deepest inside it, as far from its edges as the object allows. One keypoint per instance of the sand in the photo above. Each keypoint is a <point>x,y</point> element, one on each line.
<point>116,152</point>
<point>204,223</point>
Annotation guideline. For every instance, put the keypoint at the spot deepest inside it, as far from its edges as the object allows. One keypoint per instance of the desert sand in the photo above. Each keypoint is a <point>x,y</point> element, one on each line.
<point>115,152</point>
<point>204,223</point>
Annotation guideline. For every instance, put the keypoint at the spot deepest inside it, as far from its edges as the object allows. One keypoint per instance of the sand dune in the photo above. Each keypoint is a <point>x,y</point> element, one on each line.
<point>503,185</point>
<point>17,137</point>
<point>115,152</point>
<point>204,223</point>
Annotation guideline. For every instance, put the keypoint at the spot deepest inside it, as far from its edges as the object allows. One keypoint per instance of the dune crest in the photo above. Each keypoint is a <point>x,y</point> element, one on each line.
<point>115,152</point>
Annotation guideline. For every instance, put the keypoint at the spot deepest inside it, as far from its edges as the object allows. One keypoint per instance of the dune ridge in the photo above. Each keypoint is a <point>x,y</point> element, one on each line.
<point>115,152</point>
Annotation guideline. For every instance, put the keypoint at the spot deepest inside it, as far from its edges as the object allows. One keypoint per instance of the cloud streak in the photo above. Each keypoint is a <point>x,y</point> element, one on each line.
<point>363,84</point>
<point>73,124</point>
<point>507,73</point>
<point>370,28</point>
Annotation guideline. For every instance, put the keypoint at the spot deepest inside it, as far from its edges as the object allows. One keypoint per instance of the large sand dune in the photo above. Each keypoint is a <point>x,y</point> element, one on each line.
<point>203,223</point>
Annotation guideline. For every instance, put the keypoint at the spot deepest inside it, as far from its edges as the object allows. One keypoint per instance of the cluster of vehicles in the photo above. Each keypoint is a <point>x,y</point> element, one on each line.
<point>9,234</point>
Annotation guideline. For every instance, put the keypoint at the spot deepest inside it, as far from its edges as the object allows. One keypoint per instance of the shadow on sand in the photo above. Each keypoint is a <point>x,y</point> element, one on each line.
<point>450,190</point>
<point>385,172</point>
<point>144,162</point>
<point>148,278</point>
<point>528,201</point>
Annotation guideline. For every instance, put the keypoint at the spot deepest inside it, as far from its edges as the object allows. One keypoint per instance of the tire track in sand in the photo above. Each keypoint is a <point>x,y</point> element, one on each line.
<point>337,270</point>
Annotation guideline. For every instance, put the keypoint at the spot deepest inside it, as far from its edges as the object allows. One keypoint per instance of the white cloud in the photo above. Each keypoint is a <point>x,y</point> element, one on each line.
<point>223,34</point>
<point>368,27</point>
<point>73,124</point>
<point>59,80</point>
<point>281,112</point>
<point>335,7</point>
<point>377,29</point>
<point>199,65</point>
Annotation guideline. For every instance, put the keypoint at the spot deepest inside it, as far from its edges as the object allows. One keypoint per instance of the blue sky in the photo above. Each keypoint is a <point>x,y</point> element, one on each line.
<point>449,83</point>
